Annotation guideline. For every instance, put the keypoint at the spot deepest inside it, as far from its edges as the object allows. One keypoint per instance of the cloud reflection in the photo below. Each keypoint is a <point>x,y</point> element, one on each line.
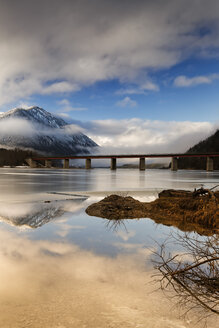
<point>57,284</point>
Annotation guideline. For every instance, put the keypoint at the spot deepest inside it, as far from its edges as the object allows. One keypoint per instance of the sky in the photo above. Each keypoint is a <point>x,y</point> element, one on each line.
<point>119,69</point>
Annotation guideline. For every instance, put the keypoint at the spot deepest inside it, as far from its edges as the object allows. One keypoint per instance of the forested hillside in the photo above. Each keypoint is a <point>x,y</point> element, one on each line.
<point>209,145</point>
<point>14,157</point>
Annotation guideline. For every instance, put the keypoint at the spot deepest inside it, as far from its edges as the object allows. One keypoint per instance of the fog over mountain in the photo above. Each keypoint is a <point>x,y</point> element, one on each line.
<point>35,128</point>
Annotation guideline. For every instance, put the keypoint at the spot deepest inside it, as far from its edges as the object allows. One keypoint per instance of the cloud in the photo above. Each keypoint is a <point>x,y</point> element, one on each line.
<point>183,81</point>
<point>67,107</point>
<point>126,102</point>
<point>78,43</point>
<point>122,136</point>
<point>147,136</point>
<point>150,86</point>
<point>16,127</point>
<point>142,89</point>
<point>60,87</point>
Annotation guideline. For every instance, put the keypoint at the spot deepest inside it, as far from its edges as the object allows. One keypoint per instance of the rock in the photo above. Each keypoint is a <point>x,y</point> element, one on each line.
<point>117,207</point>
<point>198,210</point>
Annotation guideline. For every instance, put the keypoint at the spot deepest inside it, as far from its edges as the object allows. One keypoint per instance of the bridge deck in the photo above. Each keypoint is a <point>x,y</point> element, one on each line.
<point>177,155</point>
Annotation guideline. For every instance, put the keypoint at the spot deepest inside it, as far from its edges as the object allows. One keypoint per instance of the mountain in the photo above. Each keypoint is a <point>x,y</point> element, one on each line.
<point>209,145</point>
<point>36,129</point>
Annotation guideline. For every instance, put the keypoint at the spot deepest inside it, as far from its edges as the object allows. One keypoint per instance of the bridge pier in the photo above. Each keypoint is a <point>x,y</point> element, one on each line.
<point>66,163</point>
<point>113,163</point>
<point>88,164</point>
<point>174,164</point>
<point>210,164</point>
<point>48,163</point>
<point>142,163</point>
<point>31,163</point>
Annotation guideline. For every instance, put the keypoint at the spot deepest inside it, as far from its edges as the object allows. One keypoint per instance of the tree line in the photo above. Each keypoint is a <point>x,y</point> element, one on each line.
<point>14,157</point>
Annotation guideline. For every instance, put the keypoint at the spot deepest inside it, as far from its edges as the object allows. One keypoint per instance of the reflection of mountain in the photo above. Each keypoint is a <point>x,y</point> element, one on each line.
<point>38,214</point>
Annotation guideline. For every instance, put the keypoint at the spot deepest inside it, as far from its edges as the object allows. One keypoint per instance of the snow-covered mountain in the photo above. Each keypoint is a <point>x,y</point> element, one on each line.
<point>35,128</point>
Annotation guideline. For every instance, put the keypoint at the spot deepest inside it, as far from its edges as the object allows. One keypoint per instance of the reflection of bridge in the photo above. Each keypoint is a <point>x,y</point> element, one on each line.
<point>48,159</point>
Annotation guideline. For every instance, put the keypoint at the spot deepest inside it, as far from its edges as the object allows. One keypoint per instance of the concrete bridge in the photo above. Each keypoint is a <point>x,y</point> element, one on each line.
<point>113,158</point>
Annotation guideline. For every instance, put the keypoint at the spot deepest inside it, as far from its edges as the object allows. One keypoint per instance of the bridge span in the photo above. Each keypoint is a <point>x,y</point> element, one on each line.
<point>32,162</point>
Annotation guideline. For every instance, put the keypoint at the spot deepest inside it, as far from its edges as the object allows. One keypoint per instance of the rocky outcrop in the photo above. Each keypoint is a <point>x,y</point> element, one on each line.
<point>198,210</point>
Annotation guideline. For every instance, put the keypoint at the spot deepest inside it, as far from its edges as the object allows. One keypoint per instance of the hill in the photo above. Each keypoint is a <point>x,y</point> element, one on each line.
<point>209,145</point>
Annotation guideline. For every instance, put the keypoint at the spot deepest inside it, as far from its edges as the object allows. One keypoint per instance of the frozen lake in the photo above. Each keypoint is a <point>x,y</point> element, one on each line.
<point>61,268</point>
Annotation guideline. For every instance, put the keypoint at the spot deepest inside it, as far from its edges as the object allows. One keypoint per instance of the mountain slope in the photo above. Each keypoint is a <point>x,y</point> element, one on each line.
<point>209,145</point>
<point>35,114</point>
<point>35,128</point>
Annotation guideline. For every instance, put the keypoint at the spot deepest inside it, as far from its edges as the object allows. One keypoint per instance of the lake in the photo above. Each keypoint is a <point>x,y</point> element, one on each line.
<point>61,268</point>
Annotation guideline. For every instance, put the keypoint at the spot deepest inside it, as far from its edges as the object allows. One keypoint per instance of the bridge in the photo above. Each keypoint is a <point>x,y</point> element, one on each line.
<point>32,162</point>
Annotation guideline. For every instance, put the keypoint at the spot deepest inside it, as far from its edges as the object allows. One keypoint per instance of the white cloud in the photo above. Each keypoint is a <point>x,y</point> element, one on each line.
<point>64,116</point>
<point>60,87</point>
<point>126,136</point>
<point>24,105</point>
<point>183,81</point>
<point>80,42</point>
<point>146,136</point>
<point>142,89</point>
<point>130,91</point>
<point>64,102</point>
<point>126,102</point>
<point>150,86</point>
<point>16,127</point>
<point>67,107</point>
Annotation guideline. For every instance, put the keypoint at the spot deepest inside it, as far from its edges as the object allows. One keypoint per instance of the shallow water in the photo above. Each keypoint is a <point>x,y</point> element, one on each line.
<point>62,268</point>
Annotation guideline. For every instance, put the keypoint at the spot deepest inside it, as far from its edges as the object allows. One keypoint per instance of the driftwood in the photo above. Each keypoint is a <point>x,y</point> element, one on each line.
<point>198,210</point>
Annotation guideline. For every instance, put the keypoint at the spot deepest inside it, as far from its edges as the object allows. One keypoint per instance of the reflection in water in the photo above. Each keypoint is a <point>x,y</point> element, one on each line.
<point>57,284</point>
<point>186,226</point>
<point>115,225</point>
<point>37,214</point>
<point>193,274</point>
<point>73,272</point>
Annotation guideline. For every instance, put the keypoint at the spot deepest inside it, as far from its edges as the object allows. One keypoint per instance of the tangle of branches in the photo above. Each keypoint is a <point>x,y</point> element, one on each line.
<point>193,275</point>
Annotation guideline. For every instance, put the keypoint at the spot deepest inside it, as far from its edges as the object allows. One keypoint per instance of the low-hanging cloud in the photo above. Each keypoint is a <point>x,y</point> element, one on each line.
<point>15,127</point>
<point>53,46</point>
<point>147,136</point>
<point>129,136</point>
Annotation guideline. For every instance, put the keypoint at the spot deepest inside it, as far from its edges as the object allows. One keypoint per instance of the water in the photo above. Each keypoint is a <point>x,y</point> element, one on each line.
<point>62,268</point>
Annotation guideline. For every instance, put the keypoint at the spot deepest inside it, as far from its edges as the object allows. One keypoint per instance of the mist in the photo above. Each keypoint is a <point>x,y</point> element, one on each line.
<point>129,136</point>
<point>138,136</point>
<point>22,127</point>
